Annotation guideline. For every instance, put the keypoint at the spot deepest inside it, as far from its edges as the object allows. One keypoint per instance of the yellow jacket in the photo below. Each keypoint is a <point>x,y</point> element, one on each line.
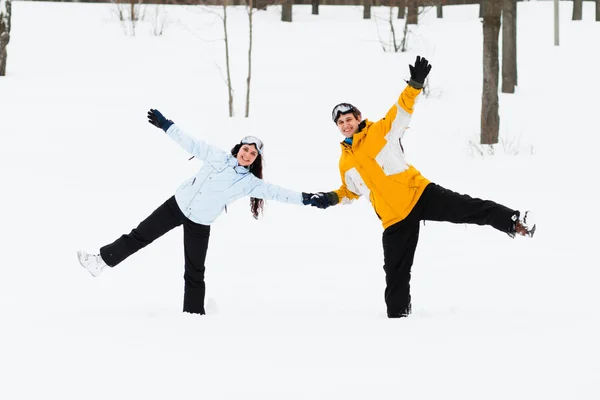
<point>375,165</point>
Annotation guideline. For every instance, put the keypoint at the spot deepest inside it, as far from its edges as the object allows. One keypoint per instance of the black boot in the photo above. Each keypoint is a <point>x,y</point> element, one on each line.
<point>402,313</point>
<point>193,301</point>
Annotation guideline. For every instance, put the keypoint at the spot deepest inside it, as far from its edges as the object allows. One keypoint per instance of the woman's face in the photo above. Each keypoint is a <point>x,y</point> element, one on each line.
<point>247,154</point>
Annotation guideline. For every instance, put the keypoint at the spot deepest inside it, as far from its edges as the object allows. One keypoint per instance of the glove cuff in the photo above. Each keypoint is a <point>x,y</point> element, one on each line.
<point>306,198</point>
<point>415,84</point>
<point>166,125</point>
<point>333,198</point>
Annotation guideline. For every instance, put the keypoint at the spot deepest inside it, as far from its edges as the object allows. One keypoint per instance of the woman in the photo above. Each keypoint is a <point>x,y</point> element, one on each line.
<point>223,178</point>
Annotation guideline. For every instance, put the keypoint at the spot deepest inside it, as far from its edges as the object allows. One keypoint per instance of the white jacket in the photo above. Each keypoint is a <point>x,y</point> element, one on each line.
<point>219,182</point>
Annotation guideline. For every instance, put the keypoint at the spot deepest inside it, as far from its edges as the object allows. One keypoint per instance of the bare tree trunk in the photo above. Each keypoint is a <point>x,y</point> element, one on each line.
<point>404,36</point>
<point>490,119</point>
<point>392,29</point>
<point>229,86</point>
<point>367,9</point>
<point>577,10</point>
<point>315,7</point>
<point>133,15</point>
<point>509,46</point>
<point>286,11</point>
<point>402,8</point>
<point>481,8</point>
<point>5,19</point>
<point>413,12</point>
<point>597,10</point>
<point>440,10</point>
<point>249,8</point>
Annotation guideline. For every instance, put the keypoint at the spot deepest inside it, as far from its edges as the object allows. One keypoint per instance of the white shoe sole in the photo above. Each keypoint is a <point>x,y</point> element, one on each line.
<point>81,258</point>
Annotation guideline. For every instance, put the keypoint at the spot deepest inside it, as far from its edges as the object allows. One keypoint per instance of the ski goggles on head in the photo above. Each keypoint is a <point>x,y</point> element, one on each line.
<point>342,108</point>
<point>255,141</point>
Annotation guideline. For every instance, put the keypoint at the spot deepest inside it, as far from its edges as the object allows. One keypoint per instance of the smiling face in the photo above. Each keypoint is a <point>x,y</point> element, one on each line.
<point>348,124</point>
<point>247,154</point>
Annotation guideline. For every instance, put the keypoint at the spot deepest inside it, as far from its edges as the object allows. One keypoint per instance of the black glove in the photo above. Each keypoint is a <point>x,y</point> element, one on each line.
<point>320,200</point>
<point>419,72</point>
<point>158,120</point>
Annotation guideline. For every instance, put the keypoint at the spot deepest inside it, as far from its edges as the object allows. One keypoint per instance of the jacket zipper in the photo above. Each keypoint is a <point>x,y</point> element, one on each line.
<point>200,187</point>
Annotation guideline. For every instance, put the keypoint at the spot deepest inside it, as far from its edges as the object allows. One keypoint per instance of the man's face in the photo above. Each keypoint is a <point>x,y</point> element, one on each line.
<point>348,124</point>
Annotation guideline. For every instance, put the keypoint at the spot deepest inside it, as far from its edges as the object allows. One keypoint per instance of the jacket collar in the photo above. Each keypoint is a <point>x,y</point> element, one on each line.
<point>233,162</point>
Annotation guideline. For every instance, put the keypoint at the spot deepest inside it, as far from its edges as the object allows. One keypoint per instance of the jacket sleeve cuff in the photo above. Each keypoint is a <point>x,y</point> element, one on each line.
<point>333,198</point>
<point>415,84</point>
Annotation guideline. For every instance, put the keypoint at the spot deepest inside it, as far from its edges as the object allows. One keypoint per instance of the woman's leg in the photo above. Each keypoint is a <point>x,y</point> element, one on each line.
<point>195,243</point>
<point>161,221</point>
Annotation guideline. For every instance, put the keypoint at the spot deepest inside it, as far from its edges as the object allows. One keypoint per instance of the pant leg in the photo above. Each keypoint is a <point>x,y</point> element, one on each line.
<point>399,246</point>
<point>195,243</point>
<point>440,204</point>
<point>161,221</point>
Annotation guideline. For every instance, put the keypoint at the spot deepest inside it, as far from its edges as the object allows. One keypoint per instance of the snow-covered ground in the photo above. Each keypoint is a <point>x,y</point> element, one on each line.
<point>295,307</point>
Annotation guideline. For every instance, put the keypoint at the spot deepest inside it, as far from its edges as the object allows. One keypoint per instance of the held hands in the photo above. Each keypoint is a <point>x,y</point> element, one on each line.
<point>419,72</point>
<point>158,120</point>
<point>320,200</point>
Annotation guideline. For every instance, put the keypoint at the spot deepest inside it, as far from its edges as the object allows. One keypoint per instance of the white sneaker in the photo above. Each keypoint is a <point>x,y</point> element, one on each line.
<point>92,262</point>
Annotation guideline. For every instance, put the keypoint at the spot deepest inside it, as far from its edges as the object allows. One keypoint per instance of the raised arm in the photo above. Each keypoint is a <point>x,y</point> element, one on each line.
<point>398,116</point>
<point>198,148</point>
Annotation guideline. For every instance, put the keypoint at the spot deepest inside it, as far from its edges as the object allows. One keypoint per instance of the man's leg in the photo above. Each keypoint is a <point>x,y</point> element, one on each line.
<point>161,221</point>
<point>399,245</point>
<point>440,204</point>
<point>195,242</point>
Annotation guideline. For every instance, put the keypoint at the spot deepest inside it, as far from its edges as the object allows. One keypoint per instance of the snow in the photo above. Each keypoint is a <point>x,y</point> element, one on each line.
<point>295,307</point>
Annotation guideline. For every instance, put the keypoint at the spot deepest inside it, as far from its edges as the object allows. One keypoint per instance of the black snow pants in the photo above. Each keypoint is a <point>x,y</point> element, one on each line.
<point>195,243</point>
<point>400,240</point>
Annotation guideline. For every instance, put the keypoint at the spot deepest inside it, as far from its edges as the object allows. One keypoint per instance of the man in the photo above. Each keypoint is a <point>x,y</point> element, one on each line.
<point>373,164</point>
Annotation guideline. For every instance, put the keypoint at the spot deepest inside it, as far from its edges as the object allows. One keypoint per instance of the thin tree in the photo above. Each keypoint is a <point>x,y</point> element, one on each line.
<point>577,10</point>
<point>250,10</point>
<point>286,10</point>
<point>5,17</point>
<point>490,119</point>
<point>509,46</point>
<point>395,45</point>
<point>404,36</point>
<point>129,14</point>
<point>440,10</point>
<point>597,10</point>
<point>399,38</point>
<point>392,30</point>
<point>224,18</point>
<point>133,13</point>
<point>229,86</point>
<point>367,9</point>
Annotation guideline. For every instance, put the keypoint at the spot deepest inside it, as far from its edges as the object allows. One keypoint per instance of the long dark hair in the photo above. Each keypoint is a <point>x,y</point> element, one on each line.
<point>256,168</point>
